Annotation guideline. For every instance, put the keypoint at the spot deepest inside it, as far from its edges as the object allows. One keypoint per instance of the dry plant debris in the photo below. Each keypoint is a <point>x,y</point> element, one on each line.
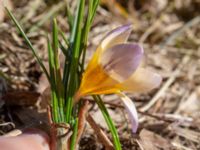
<point>170,33</point>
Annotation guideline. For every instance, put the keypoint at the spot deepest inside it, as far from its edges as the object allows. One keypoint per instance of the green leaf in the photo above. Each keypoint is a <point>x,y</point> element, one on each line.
<point>74,136</point>
<point>109,122</point>
<point>75,38</point>
<point>75,43</point>
<point>64,38</point>
<point>54,100</point>
<point>58,78</point>
<point>69,17</point>
<point>95,5</point>
<point>90,17</point>
<point>28,42</point>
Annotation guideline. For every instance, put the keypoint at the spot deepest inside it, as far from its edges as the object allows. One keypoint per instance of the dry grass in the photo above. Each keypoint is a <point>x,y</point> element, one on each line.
<point>170,33</point>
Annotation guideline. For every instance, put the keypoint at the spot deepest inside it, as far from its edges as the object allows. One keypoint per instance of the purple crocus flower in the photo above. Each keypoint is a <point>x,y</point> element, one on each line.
<point>115,67</point>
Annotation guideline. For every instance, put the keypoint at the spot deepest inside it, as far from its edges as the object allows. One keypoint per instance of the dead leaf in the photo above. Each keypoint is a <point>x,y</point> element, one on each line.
<point>43,84</point>
<point>191,106</point>
<point>30,118</point>
<point>186,133</point>
<point>45,98</point>
<point>2,14</point>
<point>6,3</point>
<point>21,98</point>
<point>152,141</point>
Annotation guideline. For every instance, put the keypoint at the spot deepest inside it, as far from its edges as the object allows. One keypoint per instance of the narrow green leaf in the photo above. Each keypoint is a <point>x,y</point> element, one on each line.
<point>74,136</point>
<point>51,63</point>
<point>75,39</point>
<point>28,42</point>
<point>58,78</point>
<point>95,6</point>
<point>64,38</point>
<point>85,33</point>
<point>69,17</point>
<point>54,101</point>
<point>64,50</point>
<point>75,43</point>
<point>109,122</point>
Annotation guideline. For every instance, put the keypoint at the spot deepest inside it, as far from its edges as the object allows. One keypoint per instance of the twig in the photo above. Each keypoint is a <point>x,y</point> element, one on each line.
<point>7,123</point>
<point>184,51</point>
<point>47,16</point>
<point>176,34</point>
<point>169,118</point>
<point>166,85</point>
<point>151,29</point>
<point>15,132</point>
<point>139,144</point>
<point>186,133</point>
<point>82,120</point>
<point>179,146</point>
<point>32,6</point>
<point>101,135</point>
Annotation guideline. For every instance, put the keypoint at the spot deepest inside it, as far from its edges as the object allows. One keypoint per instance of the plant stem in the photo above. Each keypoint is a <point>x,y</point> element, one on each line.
<point>62,141</point>
<point>74,136</point>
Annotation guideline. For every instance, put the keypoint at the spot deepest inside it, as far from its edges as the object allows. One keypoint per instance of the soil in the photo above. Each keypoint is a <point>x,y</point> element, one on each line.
<point>170,34</point>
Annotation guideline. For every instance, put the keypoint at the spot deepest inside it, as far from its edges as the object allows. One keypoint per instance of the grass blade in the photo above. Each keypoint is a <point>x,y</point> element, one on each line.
<point>90,17</point>
<point>54,102</point>
<point>28,42</point>
<point>58,77</point>
<point>109,122</point>
<point>64,38</point>
<point>69,17</point>
<point>95,6</point>
<point>75,43</point>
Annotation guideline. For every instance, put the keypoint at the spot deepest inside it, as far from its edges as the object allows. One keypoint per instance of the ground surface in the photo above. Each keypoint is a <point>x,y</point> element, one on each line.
<point>170,33</point>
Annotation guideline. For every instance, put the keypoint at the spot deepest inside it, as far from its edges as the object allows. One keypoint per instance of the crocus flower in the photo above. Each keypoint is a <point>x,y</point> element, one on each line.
<point>115,67</point>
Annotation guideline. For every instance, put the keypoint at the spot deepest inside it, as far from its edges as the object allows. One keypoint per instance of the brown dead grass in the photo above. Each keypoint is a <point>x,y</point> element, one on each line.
<point>170,33</point>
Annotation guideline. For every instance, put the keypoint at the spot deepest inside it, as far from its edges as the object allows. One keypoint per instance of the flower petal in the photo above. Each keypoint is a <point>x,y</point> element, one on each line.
<point>96,81</point>
<point>120,61</point>
<point>141,81</point>
<point>116,36</point>
<point>131,110</point>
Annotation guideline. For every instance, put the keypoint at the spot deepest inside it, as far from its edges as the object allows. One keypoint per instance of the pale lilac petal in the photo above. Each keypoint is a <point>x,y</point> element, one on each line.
<point>142,80</point>
<point>120,61</point>
<point>116,36</point>
<point>131,110</point>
